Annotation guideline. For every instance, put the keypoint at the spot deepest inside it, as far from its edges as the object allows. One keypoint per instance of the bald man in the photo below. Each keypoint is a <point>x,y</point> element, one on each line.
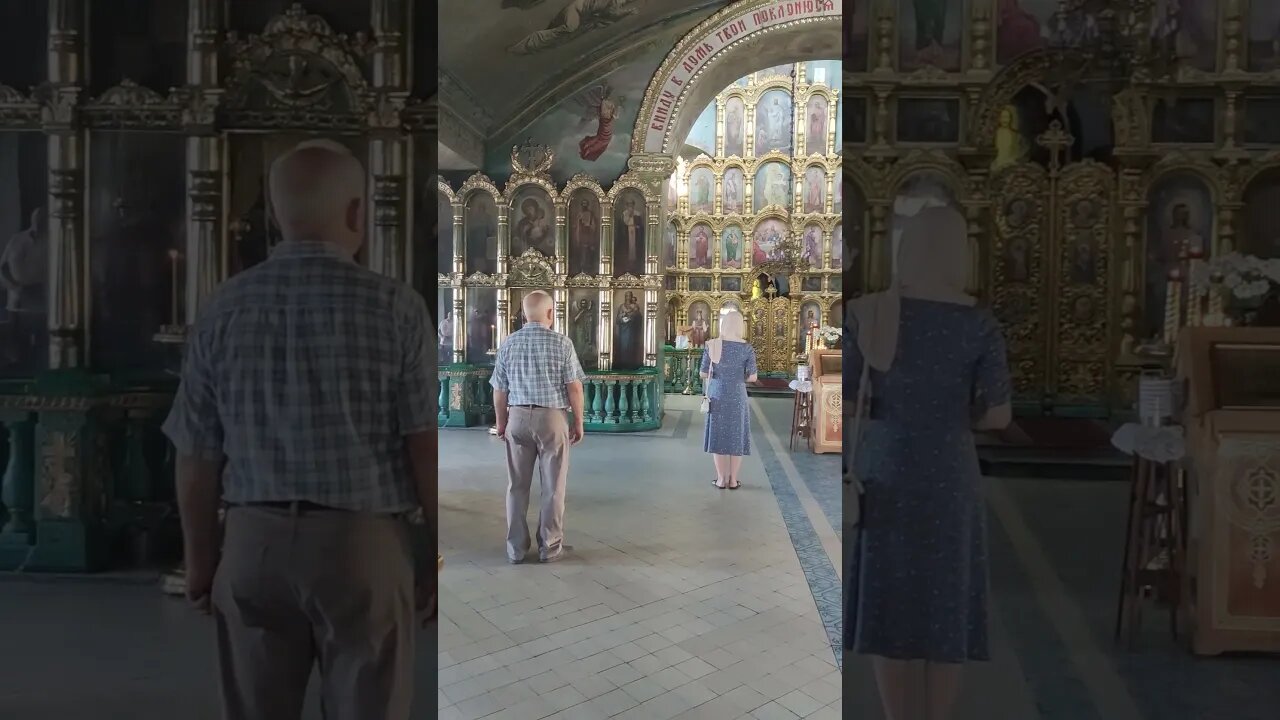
<point>308,390</point>
<point>537,396</point>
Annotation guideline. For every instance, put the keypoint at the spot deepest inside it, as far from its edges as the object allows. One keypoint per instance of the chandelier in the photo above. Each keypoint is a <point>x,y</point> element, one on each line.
<point>785,258</point>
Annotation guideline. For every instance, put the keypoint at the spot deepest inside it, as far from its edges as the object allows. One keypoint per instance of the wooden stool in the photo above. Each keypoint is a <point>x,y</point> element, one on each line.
<point>1156,531</point>
<point>800,416</point>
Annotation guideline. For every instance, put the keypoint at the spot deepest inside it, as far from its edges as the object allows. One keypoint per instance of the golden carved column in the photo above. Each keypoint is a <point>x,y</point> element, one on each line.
<point>604,337</point>
<point>562,238</point>
<point>205,268</point>
<point>459,326</point>
<point>606,239</point>
<point>388,147</point>
<point>884,39</point>
<point>66,177</point>
<point>459,242</point>
<point>877,248</point>
<point>504,236</point>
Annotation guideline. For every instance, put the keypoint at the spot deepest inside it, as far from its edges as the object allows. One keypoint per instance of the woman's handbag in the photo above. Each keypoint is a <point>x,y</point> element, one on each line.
<point>706,392</point>
<point>852,486</point>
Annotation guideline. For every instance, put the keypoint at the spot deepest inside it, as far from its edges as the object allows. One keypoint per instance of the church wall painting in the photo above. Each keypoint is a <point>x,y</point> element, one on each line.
<point>628,329</point>
<point>774,123</point>
<point>734,127</point>
<point>1180,219</point>
<point>1263,27</point>
<point>856,119</point>
<point>1183,120</point>
<point>482,313</point>
<point>811,245</point>
<point>532,220</point>
<point>700,246</point>
<point>838,200</point>
<point>855,35</point>
<point>816,126</point>
<point>137,207</point>
<point>1260,230</point>
<point>839,252</point>
<point>733,200</point>
<point>731,283</point>
<point>810,317</point>
<point>815,189</point>
<point>731,244</point>
<point>772,186</point>
<point>582,326</point>
<point>699,322</point>
<point>24,254</point>
<point>702,190</point>
<point>629,227</point>
<point>766,243</point>
<point>589,131</point>
<point>928,120</point>
<point>930,33</point>
<point>1021,27</point>
<point>1189,30</point>
<point>1260,121</point>
<point>584,232</point>
<point>480,228</point>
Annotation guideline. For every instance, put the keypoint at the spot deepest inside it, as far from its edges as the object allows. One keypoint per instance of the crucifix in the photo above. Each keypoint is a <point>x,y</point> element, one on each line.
<point>1056,140</point>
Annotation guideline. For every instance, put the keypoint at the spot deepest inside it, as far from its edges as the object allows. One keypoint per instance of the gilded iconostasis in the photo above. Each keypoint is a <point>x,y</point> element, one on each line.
<point>760,170</point>
<point>1105,207</point>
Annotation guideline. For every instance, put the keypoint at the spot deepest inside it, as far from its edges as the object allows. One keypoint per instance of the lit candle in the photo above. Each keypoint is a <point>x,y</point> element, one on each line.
<point>173,287</point>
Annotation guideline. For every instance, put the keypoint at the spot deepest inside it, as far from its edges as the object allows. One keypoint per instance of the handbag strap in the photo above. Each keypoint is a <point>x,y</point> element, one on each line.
<point>859,410</point>
<point>711,370</point>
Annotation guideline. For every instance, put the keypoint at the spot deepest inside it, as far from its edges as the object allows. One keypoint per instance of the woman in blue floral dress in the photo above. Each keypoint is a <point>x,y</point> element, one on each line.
<point>917,583</point>
<point>728,364</point>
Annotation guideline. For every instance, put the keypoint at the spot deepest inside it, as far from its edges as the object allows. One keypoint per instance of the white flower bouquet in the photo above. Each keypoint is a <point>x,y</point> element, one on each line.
<point>830,336</point>
<point>1247,278</point>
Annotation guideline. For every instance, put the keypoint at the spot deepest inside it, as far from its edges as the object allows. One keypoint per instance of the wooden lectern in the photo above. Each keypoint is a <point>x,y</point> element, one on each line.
<point>826,429</point>
<point>1231,377</point>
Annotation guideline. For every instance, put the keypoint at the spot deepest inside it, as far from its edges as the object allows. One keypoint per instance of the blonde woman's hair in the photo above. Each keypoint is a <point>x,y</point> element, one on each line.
<point>732,325</point>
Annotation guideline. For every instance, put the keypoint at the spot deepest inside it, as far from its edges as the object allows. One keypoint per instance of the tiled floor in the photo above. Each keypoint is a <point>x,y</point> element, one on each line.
<point>116,649</point>
<point>679,600</point>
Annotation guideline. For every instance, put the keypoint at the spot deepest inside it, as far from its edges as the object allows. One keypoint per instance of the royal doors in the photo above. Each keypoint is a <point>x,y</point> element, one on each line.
<point>1049,274</point>
<point>769,328</point>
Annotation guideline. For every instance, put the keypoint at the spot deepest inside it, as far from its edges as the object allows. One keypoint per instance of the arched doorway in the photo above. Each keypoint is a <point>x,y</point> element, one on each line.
<point>698,72</point>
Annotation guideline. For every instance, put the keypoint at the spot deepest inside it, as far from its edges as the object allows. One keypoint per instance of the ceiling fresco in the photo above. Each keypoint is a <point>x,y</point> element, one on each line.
<point>509,55</point>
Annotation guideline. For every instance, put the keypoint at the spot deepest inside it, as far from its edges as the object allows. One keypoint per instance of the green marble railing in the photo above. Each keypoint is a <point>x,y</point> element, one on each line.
<point>614,401</point>
<point>466,398</point>
<point>680,370</point>
<point>85,468</point>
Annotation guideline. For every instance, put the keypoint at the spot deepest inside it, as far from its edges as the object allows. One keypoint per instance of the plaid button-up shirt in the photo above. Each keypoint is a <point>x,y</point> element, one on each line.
<point>534,365</point>
<point>305,373</point>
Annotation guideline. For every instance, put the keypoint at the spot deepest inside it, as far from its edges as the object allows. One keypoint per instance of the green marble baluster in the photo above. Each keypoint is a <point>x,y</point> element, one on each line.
<point>645,410</point>
<point>624,401</point>
<point>442,402</point>
<point>597,401</point>
<point>610,405</point>
<point>18,491</point>
<point>632,387</point>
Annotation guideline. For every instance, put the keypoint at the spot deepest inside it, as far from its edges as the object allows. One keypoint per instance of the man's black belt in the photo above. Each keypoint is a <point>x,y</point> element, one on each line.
<point>299,505</point>
<point>539,407</point>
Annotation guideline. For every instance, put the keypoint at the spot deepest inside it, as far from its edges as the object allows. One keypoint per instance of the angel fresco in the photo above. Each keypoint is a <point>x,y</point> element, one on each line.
<point>575,18</point>
<point>598,104</point>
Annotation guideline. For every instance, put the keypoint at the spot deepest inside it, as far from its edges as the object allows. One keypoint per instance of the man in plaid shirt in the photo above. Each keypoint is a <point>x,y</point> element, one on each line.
<point>307,406</point>
<point>536,379</point>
